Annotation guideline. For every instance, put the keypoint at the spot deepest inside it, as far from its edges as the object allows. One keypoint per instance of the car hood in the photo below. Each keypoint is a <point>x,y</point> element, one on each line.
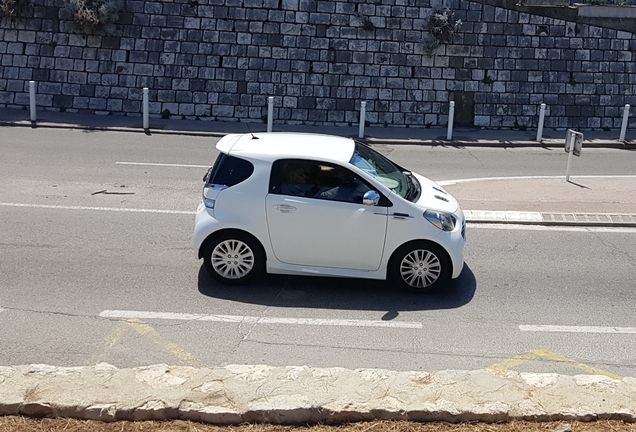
<point>435,197</point>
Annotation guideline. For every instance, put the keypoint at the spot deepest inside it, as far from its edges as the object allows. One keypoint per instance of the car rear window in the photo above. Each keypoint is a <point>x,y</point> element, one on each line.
<point>229,171</point>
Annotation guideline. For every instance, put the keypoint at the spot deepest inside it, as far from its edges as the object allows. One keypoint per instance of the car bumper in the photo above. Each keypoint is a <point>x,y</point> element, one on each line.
<point>455,242</point>
<point>204,225</point>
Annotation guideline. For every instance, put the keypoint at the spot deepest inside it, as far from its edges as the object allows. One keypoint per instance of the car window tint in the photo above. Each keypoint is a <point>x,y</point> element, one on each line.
<point>318,180</point>
<point>230,170</point>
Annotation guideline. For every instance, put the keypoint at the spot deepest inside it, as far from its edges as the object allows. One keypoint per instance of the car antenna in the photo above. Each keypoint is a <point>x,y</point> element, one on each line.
<point>248,128</point>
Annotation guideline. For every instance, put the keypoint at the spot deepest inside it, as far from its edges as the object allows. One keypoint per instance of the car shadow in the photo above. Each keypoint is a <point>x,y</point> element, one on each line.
<point>339,293</point>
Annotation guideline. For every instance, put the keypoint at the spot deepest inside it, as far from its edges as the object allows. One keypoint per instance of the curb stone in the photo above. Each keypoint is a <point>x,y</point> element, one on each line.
<point>440,140</point>
<point>625,220</point>
<point>302,395</point>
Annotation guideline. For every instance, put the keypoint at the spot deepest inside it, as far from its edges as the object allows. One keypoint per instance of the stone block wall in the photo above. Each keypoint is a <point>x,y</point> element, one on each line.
<point>221,59</point>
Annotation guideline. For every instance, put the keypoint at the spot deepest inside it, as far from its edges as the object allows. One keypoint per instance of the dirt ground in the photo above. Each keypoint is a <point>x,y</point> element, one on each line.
<point>23,424</point>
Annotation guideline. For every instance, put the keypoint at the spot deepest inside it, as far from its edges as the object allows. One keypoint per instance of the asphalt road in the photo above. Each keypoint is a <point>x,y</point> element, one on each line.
<point>66,271</point>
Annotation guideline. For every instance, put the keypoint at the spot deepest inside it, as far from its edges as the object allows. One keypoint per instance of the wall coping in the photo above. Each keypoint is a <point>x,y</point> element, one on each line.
<point>606,11</point>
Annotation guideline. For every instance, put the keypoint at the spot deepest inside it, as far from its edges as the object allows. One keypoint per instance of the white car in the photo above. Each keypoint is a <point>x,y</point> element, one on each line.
<point>309,204</point>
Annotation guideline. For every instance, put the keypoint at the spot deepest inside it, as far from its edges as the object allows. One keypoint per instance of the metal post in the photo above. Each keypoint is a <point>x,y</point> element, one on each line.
<point>451,119</point>
<point>270,113</point>
<point>32,100</point>
<point>541,119</point>
<point>363,113</point>
<point>571,153</point>
<point>145,109</point>
<point>624,126</point>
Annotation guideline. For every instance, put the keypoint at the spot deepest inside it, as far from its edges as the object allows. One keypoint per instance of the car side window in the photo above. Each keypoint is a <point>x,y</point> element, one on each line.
<point>229,171</point>
<point>319,180</point>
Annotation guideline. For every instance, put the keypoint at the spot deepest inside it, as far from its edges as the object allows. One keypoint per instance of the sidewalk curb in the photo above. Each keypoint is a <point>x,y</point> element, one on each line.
<point>551,218</point>
<point>302,395</point>
<point>496,143</point>
<point>439,141</point>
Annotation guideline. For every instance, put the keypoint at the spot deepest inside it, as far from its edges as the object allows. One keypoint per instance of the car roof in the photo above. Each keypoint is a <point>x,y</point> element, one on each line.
<point>276,145</point>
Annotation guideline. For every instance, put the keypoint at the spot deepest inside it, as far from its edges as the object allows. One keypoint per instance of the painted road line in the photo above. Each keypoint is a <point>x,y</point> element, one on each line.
<point>256,320</point>
<point>547,355</point>
<point>162,164</point>
<point>112,209</point>
<point>577,329</point>
<point>469,180</point>
<point>121,335</point>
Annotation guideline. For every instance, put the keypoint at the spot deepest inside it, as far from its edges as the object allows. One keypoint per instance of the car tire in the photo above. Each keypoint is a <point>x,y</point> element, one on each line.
<point>420,267</point>
<point>233,257</point>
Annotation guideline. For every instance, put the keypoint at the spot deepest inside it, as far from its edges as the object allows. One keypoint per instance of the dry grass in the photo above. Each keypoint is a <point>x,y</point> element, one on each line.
<point>23,424</point>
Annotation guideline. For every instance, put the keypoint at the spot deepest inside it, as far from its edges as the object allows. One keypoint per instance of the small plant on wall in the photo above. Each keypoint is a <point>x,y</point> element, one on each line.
<point>441,28</point>
<point>94,15</point>
<point>14,8</point>
<point>443,25</point>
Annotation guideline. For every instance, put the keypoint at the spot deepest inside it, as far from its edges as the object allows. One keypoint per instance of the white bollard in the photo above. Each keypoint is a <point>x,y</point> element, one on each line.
<point>32,100</point>
<point>541,120</point>
<point>145,109</point>
<point>270,113</point>
<point>451,119</point>
<point>363,113</point>
<point>624,126</point>
<point>571,153</point>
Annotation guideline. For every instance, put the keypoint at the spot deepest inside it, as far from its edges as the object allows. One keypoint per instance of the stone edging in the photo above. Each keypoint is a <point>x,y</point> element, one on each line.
<point>293,395</point>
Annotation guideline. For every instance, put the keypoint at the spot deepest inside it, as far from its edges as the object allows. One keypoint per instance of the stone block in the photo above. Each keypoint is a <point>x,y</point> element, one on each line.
<point>15,48</point>
<point>183,96</point>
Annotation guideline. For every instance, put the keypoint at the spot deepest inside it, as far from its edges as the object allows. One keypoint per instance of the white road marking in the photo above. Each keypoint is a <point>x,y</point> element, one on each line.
<point>256,320</point>
<point>452,182</point>
<point>113,209</point>
<point>577,329</point>
<point>163,164</point>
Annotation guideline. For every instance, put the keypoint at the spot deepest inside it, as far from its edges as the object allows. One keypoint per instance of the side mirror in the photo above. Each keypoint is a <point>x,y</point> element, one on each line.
<point>371,198</point>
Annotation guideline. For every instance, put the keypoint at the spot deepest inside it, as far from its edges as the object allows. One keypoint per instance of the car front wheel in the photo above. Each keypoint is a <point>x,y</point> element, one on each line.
<point>420,267</point>
<point>233,258</point>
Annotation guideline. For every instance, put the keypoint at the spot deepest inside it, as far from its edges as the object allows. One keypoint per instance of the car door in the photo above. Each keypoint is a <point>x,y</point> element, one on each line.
<point>315,217</point>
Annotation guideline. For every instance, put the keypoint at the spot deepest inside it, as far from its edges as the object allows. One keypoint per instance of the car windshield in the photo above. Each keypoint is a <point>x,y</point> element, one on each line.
<point>388,173</point>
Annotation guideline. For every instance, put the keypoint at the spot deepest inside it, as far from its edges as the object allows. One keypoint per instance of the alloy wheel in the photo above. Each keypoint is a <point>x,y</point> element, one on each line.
<point>420,268</point>
<point>232,259</point>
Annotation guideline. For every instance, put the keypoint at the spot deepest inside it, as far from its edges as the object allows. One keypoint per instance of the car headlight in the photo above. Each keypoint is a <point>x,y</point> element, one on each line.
<point>443,221</point>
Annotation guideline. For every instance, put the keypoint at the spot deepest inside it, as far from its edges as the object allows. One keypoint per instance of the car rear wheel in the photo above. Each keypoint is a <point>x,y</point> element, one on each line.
<point>420,267</point>
<point>233,258</point>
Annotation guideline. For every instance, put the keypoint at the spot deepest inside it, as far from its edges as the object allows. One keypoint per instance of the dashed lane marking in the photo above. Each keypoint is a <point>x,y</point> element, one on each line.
<point>577,329</point>
<point>547,355</point>
<point>256,320</point>
<point>112,209</point>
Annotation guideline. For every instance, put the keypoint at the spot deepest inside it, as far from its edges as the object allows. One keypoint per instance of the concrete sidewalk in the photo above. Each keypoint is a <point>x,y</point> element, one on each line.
<point>463,137</point>
<point>608,201</point>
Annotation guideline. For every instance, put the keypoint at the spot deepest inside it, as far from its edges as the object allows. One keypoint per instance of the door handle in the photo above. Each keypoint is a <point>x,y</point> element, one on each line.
<point>284,208</point>
<point>402,216</point>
